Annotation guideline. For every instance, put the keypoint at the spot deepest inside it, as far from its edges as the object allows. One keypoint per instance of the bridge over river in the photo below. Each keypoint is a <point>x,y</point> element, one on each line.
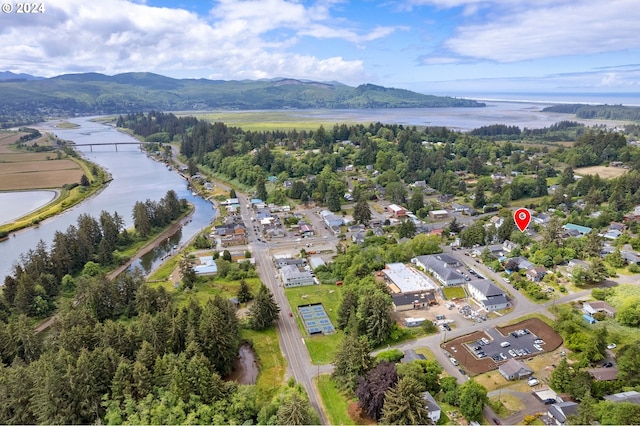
<point>91,145</point>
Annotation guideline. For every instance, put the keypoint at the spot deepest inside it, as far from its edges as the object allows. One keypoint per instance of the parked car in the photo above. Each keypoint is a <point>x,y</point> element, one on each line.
<point>549,401</point>
<point>611,346</point>
<point>607,364</point>
<point>454,361</point>
<point>505,344</point>
<point>533,381</point>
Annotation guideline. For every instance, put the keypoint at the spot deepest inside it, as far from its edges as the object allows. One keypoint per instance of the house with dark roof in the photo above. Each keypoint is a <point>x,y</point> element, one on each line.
<point>559,412</point>
<point>603,374</point>
<point>629,396</point>
<point>487,294</point>
<point>408,302</point>
<point>536,274</point>
<point>515,370</point>
<point>441,266</point>
<point>410,355</point>
<point>432,407</point>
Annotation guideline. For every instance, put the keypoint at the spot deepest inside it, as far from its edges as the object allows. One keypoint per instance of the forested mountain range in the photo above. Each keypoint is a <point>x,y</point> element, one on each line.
<point>93,93</point>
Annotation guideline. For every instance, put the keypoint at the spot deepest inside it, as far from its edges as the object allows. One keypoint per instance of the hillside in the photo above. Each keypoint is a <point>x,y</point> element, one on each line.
<point>93,93</point>
<point>607,112</point>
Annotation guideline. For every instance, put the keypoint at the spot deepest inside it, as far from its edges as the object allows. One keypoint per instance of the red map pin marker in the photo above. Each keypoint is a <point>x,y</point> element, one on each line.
<point>522,217</point>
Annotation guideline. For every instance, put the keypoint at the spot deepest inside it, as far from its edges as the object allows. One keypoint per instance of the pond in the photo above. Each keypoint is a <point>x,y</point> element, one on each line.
<point>20,203</point>
<point>245,371</point>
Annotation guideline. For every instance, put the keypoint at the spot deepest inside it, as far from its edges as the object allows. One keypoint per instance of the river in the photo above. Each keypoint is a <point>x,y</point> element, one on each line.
<point>135,178</point>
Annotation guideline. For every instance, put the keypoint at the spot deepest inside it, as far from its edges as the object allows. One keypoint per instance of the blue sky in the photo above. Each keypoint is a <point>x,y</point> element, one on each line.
<point>432,46</point>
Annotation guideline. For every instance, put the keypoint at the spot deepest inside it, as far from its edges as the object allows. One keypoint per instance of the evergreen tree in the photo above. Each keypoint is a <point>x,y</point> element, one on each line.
<point>362,212</point>
<point>507,227</point>
<point>417,201</point>
<point>244,293</point>
<point>141,220</point>
<point>219,335</point>
<point>261,188</point>
<point>454,226</point>
<point>541,185</point>
<point>348,305</point>
<point>84,180</point>
<point>264,310</point>
<point>375,317</point>
<point>561,377</point>
<point>294,410</point>
<point>407,229</point>
<point>188,272</point>
<point>351,361</point>
<point>480,199</point>
<point>403,404</point>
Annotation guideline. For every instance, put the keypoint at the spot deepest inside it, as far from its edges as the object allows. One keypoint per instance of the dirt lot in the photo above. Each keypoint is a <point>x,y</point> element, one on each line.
<point>602,171</point>
<point>475,366</point>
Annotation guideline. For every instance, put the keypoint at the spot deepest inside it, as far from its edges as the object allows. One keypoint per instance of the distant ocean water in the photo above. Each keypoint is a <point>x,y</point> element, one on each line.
<point>630,99</point>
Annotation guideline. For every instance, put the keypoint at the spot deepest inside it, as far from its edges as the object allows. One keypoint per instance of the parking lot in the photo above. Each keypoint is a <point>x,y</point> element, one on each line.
<point>478,356</point>
<point>519,343</point>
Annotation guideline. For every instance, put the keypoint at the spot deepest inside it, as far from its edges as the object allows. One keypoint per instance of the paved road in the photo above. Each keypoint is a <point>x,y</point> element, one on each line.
<point>292,343</point>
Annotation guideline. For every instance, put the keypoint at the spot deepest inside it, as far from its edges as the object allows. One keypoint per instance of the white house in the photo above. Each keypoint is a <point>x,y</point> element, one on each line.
<point>432,406</point>
<point>488,295</point>
<point>294,277</point>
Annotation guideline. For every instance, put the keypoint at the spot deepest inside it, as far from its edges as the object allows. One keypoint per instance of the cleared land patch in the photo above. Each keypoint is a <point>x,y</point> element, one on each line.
<point>20,170</point>
<point>36,175</point>
<point>604,172</point>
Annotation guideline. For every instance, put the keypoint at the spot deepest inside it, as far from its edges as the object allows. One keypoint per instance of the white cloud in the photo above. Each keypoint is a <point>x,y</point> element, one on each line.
<point>573,28</point>
<point>239,39</point>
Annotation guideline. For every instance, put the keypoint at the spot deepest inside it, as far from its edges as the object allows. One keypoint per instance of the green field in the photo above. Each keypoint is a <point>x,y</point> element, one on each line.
<point>321,348</point>
<point>266,120</point>
<point>270,359</point>
<point>454,293</point>
<point>335,404</point>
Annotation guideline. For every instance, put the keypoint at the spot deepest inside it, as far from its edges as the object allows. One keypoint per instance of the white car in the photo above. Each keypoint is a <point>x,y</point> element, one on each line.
<point>453,361</point>
<point>611,346</point>
<point>533,381</point>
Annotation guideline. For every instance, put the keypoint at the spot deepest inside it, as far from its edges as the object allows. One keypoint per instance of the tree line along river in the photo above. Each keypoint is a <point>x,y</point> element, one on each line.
<point>136,177</point>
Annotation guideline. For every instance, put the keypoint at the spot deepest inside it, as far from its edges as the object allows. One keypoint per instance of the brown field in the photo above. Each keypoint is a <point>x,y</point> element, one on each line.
<point>7,138</point>
<point>604,172</point>
<point>21,170</point>
<point>39,180</point>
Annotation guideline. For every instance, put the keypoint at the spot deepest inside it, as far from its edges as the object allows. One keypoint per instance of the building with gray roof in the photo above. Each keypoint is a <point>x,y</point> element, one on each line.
<point>442,267</point>
<point>294,277</point>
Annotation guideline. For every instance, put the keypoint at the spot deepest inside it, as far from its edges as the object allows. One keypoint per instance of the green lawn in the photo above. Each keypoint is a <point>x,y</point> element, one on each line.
<point>321,348</point>
<point>272,363</point>
<point>335,404</point>
<point>454,293</point>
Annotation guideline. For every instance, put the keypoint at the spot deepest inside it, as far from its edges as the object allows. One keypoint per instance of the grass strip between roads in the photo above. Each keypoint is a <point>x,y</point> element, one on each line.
<point>334,404</point>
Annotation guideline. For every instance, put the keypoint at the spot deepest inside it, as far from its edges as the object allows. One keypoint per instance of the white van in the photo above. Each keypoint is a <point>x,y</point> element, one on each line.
<point>505,344</point>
